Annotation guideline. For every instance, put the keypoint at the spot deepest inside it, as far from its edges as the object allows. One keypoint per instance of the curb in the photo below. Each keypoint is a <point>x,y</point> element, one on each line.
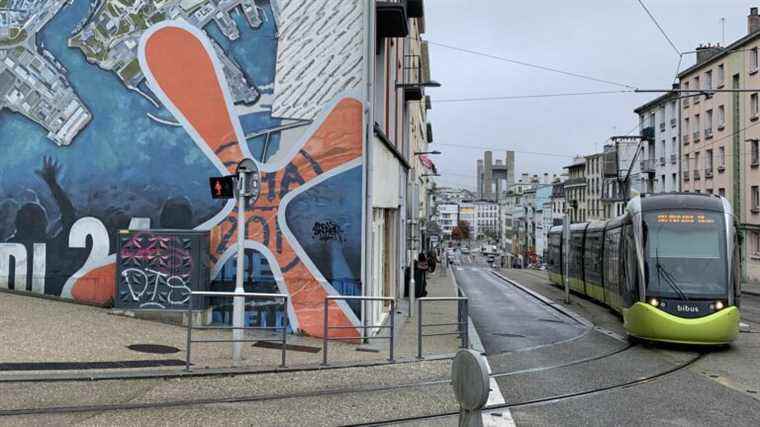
<point>207,372</point>
<point>559,307</point>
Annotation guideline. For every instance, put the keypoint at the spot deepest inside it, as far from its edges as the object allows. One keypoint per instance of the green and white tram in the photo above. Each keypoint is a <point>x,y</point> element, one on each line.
<point>669,266</point>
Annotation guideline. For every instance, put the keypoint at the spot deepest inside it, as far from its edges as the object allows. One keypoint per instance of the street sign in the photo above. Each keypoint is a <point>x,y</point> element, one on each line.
<point>222,187</point>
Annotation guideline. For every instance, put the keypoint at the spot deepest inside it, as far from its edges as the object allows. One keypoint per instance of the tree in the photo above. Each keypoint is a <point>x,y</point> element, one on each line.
<point>461,231</point>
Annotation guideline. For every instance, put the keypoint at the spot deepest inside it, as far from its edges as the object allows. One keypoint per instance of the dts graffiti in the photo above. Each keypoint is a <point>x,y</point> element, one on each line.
<point>157,270</point>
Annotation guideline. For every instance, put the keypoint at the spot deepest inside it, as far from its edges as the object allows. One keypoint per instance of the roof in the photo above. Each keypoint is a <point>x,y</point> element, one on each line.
<point>655,102</point>
<point>578,161</point>
<point>728,49</point>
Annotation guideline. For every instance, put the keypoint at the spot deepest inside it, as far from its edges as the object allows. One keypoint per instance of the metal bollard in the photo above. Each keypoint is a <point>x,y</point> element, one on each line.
<point>189,333</point>
<point>419,329</point>
<point>466,325</point>
<point>393,329</point>
<point>324,338</point>
<point>284,329</point>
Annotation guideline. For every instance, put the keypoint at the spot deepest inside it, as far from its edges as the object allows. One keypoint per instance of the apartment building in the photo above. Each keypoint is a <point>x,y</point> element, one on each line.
<point>575,190</point>
<point>719,134</point>
<point>594,183</point>
<point>659,162</point>
<point>486,219</point>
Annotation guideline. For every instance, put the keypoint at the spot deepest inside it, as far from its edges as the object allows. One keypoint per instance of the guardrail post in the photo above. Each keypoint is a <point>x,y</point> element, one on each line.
<point>419,328</point>
<point>393,329</point>
<point>324,337</point>
<point>284,328</point>
<point>189,333</point>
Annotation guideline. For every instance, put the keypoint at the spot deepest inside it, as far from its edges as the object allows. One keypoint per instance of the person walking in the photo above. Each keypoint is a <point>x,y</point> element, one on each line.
<point>420,269</point>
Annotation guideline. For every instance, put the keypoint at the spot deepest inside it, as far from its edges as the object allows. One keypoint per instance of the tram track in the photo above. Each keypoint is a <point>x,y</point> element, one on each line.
<point>549,399</point>
<point>58,410</point>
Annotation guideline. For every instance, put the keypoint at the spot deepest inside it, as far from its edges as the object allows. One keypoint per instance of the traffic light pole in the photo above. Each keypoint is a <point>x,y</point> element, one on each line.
<point>238,307</point>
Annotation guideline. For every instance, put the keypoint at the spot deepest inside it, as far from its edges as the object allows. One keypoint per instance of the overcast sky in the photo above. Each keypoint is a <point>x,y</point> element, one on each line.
<point>607,39</point>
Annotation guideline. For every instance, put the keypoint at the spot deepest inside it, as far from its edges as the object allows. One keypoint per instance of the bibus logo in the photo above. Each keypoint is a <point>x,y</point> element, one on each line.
<point>687,308</point>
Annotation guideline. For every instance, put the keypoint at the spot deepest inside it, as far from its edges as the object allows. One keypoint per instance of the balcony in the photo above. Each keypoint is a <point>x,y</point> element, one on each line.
<point>695,136</point>
<point>673,123</point>
<point>673,159</point>
<point>696,175</point>
<point>575,182</point>
<point>685,102</point>
<point>616,195</point>
<point>685,139</point>
<point>412,77</point>
<point>708,173</point>
<point>648,165</point>
<point>685,175</point>
<point>721,168</point>
<point>662,161</point>
<point>662,127</point>
<point>708,133</point>
<point>696,99</point>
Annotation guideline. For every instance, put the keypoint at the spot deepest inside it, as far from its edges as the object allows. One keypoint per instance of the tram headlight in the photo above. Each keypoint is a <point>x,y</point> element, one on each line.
<point>654,302</point>
<point>719,305</point>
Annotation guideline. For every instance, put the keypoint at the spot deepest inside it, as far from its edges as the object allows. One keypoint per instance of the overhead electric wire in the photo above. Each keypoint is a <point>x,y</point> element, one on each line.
<point>528,64</point>
<point>660,28</point>
<point>545,95</point>
<point>481,147</point>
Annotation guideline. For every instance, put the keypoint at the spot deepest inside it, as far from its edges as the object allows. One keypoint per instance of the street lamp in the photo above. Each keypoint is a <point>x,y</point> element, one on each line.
<point>434,152</point>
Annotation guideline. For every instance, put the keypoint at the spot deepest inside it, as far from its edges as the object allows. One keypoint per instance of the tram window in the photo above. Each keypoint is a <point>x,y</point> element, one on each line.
<point>630,294</point>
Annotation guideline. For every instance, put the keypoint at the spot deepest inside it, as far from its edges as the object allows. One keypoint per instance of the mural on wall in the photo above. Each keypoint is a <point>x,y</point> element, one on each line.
<point>108,114</point>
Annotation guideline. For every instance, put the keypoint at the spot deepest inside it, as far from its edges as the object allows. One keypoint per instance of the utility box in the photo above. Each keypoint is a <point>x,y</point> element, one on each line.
<point>158,269</point>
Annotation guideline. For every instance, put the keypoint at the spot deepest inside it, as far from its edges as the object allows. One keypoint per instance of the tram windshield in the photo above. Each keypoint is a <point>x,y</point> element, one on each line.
<point>685,254</point>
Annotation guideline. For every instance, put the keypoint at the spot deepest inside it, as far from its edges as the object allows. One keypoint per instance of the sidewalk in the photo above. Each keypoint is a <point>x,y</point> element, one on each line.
<point>44,338</point>
<point>751,288</point>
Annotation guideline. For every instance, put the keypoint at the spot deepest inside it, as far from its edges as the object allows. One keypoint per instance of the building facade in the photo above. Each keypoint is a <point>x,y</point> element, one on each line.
<point>324,223</point>
<point>719,135</point>
<point>447,215</point>
<point>594,183</point>
<point>575,190</point>
<point>660,155</point>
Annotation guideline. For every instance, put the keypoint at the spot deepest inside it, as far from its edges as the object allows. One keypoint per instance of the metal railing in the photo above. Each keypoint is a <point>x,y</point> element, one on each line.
<point>462,322</point>
<point>283,340</point>
<point>326,331</point>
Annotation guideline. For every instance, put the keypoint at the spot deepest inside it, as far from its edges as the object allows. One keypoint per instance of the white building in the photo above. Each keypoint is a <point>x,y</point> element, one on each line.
<point>659,158</point>
<point>486,219</point>
<point>448,217</point>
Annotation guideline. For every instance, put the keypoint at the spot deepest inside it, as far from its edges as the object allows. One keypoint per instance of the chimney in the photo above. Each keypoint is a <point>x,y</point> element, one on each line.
<point>705,52</point>
<point>753,21</point>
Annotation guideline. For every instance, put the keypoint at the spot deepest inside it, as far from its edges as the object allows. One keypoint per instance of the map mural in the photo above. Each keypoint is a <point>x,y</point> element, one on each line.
<point>116,110</point>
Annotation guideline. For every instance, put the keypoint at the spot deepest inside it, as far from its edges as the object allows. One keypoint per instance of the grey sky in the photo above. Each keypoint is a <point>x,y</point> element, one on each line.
<point>608,39</point>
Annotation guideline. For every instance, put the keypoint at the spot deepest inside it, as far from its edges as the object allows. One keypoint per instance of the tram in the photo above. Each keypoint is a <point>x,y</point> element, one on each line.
<point>669,266</point>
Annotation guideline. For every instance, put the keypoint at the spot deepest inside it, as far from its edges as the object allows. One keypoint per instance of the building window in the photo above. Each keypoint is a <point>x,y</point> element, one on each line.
<point>721,117</point>
<point>721,156</point>
<point>754,152</point>
<point>755,244</point>
<point>753,106</point>
<point>674,181</point>
<point>708,123</point>
<point>686,98</point>
<point>721,74</point>
<point>709,161</point>
<point>755,199</point>
<point>753,60</point>
<point>697,128</point>
<point>708,80</point>
<point>722,192</point>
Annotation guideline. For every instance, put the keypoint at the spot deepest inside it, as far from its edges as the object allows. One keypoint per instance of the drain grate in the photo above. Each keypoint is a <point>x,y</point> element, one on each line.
<point>153,348</point>
<point>288,347</point>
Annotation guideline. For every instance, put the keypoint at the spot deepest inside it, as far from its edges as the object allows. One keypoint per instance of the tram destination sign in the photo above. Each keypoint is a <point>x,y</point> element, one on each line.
<point>671,218</point>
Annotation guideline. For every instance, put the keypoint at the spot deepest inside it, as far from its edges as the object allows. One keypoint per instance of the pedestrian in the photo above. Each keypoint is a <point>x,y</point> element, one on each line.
<point>432,259</point>
<point>420,270</point>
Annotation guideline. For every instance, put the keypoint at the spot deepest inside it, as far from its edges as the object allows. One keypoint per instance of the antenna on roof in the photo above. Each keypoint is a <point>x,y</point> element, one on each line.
<point>723,31</point>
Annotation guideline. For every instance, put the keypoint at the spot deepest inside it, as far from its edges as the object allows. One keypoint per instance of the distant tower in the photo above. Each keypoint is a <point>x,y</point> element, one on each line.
<point>479,178</point>
<point>488,175</point>
<point>510,163</point>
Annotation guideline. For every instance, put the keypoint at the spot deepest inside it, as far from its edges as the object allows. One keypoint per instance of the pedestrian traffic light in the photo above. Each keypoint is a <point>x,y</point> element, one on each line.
<point>222,187</point>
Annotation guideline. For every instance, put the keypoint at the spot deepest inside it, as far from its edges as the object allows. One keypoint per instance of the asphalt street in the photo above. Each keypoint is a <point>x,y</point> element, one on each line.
<point>560,359</point>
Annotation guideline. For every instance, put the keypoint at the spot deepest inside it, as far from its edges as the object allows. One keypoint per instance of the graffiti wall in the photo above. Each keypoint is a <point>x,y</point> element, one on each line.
<point>115,112</point>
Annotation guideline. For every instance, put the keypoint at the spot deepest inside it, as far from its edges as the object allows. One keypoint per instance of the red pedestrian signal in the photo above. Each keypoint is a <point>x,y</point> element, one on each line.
<point>222,187</point>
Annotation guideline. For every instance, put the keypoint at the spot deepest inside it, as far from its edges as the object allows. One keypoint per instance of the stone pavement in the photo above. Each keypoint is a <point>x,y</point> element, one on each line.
<point>93,342</point>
